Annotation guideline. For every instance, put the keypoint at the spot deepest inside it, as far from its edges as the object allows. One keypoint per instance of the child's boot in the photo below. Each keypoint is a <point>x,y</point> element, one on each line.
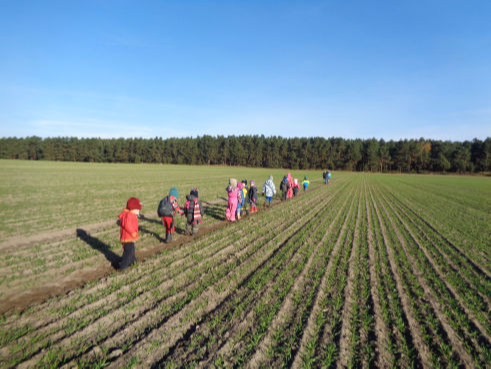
<point>168,239</point>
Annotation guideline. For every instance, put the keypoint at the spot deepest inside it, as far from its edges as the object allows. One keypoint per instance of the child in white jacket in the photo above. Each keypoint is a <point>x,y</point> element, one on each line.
<point>269,190</point>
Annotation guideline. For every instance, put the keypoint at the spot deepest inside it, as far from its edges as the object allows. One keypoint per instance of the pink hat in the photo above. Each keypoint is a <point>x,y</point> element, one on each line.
<point>240,185</point>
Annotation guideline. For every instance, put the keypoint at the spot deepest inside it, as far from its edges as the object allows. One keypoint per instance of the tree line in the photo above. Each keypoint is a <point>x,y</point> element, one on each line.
<point>414,155</point>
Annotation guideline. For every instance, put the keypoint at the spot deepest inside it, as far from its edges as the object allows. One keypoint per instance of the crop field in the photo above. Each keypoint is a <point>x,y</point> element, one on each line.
<point>368,271</point>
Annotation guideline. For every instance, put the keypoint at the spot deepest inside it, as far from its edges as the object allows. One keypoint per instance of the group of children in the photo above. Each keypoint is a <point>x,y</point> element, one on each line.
<point>241,199</point>
<point>167,209</point>
<point>289,187</point>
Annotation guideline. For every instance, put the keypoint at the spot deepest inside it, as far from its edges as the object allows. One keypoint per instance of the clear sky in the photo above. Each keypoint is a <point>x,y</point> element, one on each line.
<point>386,69</point>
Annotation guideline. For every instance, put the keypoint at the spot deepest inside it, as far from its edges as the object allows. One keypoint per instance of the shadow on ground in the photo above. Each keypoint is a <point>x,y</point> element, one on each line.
<point>215,211</point>
<point>100,246</point>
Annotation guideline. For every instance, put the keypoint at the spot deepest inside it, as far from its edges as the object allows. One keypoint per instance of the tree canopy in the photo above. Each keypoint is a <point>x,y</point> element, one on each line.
<point>415,155</point>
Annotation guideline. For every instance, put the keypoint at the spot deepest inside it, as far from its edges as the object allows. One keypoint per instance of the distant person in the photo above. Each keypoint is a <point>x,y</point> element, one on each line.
<point>295,187</point>
<point>290,189</point>
<point>168,207</point>
<point>252,194</point>
<point>326,176</point>
<point>305,183</point>
<point>284,187</point>
<point>128,220</point>
<point>269,190</point>
<point>240,199</point>
<point>193,212</point>
<point>232,190</point>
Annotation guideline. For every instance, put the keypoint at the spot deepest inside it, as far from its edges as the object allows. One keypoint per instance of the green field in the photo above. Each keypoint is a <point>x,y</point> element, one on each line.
<point>369,271</point>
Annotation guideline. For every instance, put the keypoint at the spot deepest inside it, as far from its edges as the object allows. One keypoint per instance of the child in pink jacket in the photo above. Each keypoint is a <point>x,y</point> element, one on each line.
<point>290,190</point>
<point>232,191</point>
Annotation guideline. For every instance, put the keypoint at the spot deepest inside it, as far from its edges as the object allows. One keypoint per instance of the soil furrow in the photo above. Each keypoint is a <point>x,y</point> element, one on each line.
<point>175,328</point>
<point>384,358</point>
<point>422,349</point>
<point>450,332</point>
<point>436,268</point>
<point>310,330</point>
<point>451,264</point>
<point>457,249</point>
<point>288,306</point>
<point>316,211</point>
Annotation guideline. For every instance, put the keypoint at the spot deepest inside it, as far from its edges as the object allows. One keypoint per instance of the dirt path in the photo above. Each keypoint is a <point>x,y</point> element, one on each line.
<point>78,278</point>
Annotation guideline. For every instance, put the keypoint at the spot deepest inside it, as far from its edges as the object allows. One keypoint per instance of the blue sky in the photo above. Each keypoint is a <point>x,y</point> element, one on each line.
<point>336,68</point>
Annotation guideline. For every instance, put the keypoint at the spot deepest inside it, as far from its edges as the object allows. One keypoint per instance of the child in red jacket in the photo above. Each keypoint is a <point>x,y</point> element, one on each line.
<point>128,220</point>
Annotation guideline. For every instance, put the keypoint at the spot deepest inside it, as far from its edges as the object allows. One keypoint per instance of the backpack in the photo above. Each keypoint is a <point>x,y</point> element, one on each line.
<point>165,208</point>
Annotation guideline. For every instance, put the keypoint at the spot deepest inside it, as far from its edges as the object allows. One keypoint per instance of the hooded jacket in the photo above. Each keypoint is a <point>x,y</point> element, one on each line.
<point>129,226</point>
<point>269,189</point>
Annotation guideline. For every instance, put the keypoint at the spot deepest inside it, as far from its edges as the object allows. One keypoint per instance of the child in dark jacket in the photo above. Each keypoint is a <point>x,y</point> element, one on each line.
<point>168,219</point>
<point>193,212</point>
<point>128,220</point>
<point>284,187</point>
<point>252,194</point>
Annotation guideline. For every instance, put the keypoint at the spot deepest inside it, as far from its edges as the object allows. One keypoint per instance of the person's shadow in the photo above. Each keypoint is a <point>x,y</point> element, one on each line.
<point>100,246</point>
<point>216,211</point>
<point>150,220</point>
<point>156,235</point>
<point>159,221</point>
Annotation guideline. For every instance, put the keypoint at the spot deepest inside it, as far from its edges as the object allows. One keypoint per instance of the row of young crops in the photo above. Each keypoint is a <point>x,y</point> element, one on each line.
<point>351,274</point>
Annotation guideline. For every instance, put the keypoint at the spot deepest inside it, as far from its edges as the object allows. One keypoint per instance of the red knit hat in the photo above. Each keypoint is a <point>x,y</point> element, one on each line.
<point>133,203</point>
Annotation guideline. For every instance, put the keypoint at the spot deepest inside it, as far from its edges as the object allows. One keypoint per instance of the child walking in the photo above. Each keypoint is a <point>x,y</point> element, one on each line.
<point>245,198</point>
<point>168,207</point>
<point>290,189</point>
<point>284,188</point>
<point>232,190</point>
<point>305,183</point>
<point>240,199</point>
<point>269,190</point>
<point>193,212</point>
<point>295,187</point>
<point>252,193</point>
<point>128,220</point>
